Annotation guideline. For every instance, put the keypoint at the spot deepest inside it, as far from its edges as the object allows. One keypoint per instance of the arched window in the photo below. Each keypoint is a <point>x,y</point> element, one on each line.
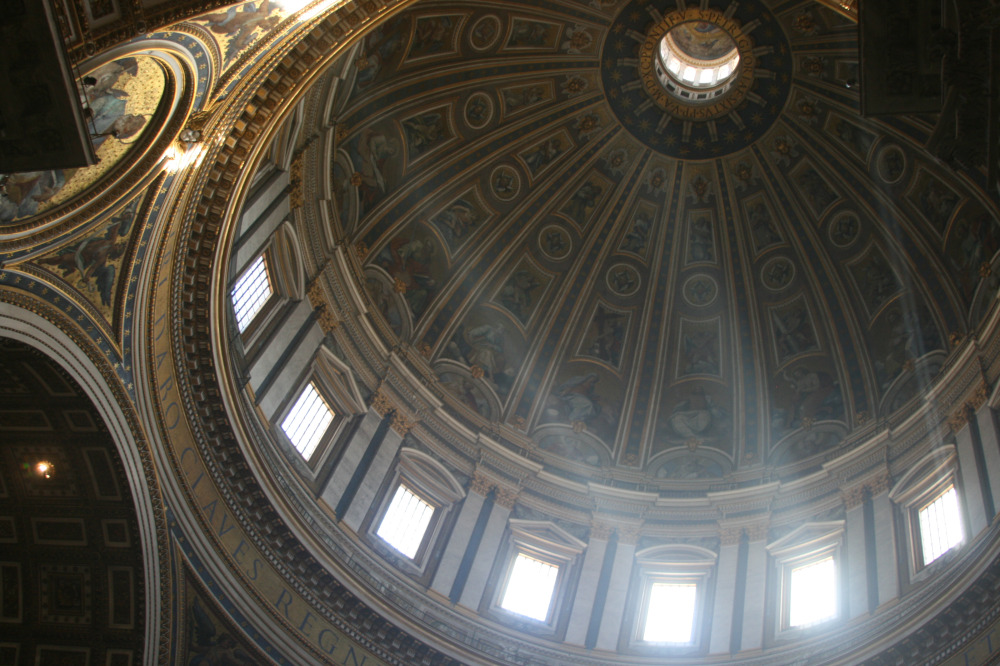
<point>930,507</point>
<point>537,564</point>
<point>673,582</point>
<point>808,565</point>
<point>417,501</point>
<point>251,292</point>
<point>315,415</point>
<point>268,281</point>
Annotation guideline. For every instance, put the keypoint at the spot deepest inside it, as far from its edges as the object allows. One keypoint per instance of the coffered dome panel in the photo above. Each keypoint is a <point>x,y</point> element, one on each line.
<point>679,295</point>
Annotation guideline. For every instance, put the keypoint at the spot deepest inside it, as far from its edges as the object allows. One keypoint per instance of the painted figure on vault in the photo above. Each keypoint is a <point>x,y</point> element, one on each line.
<point>576,402</point>
<point>608,328</point>
<point>432,35</point>
<point>424,131</point>
<point>22,193</point>
<point>637,238</point>
<point>582,203</point>
<point>380,47</point>
<point>408,261</point>
<point>209,647</point>
<point>485,346</point>
<point>518,294</point>
<point>543,154</point>
<point>697,416</point>
<point>241,24</point>
<point>106,102</point>
<point>815,397</point>
<point>762,227</point>
<point>90,259</point>
<point>370,155</point>
<point>793,331</point>
<point>455,221</point>
<point>701,246</point>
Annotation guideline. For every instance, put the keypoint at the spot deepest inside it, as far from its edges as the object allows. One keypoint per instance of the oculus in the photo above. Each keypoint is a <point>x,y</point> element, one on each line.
<point>697,64</point>
<point>697,61</point>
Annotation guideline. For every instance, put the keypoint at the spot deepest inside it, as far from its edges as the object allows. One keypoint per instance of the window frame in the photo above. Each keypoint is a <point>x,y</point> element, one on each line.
<point>262,308</point>
<point>927,480</point>
<point>336,386</point>
<point>431,482</point>
<point>672,564</point>
<point>937,492</point>
<point>807,544</point>
<point>284,268</point>
<point>317,439</point>
<point>537,556</point>
<point>544,541</point>
<point>788,570</point>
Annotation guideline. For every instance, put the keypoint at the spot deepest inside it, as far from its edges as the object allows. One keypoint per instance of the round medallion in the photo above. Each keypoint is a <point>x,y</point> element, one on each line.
<point>484,33</point>
<point>555,242</point>
<point>478,110</point>
<point>505,183</point>
<point>844,229</point>
<point>891,163</point>
<point>777,273</point>
<point>623,279</point>
<point>700,290</point>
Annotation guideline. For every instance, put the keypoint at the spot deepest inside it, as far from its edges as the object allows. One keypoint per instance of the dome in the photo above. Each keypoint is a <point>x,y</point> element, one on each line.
<point>593,332</point>
<point>605,311</point>
<point>633,293</point>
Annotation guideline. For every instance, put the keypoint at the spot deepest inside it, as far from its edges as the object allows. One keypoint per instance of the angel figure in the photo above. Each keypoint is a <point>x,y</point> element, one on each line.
<point>207,647</point>
<point>241,23</point>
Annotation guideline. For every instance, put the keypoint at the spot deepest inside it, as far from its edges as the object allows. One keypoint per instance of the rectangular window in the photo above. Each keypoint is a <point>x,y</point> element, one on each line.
<point>251,292</point>
<point>307,420</point>
<point>812,593</point>
<point>405,521</point>
<point>529,588</point>
<point>940,525</point>
<point>670,613</point>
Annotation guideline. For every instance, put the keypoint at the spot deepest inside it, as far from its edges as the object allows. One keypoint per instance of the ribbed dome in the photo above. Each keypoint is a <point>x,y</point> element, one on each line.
<point>631,286</point>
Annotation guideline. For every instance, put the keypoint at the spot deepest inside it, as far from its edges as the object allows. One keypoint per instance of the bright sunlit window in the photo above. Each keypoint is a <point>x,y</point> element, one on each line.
<point>251,292</point>
<point>529,588</point>
<point>307,420</point>
<point>405,521</point>
<point>940,525</point>
<point>812,593</point>
<point>670,613</point>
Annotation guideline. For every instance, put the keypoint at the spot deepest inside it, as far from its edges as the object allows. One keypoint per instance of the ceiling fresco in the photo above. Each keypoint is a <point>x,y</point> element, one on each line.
<point>239,26</point>
<point>628,287</point>
<point>123,97</point>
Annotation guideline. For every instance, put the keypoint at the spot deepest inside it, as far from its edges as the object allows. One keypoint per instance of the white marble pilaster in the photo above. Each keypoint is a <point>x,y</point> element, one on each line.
<point>725,595</point>
<point>753,607</point>
<point>458,541</point>
<point>857,561</point>
<point>991,449</point>
<point>351,458</point>
<point>373,478</point>
<point>614,603</point>
<point>486,554</point>
<point>973,494</point>
<point>886,556</point>
<point>586,589</point>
